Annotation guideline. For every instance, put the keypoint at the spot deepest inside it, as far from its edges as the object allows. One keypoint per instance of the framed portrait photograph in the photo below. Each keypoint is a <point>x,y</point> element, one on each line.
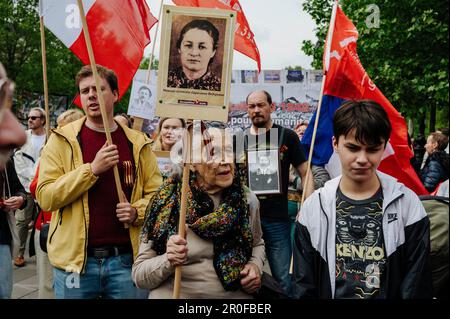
<point>164,163</point>
<point>195,63</point>
<point>142,100</point>
<point>264,171</point>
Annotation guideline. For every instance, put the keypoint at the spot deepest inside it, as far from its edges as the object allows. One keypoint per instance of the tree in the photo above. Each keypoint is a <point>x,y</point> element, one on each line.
<point>294,68</point>
<point>407,56</point>
<point>20,51</point>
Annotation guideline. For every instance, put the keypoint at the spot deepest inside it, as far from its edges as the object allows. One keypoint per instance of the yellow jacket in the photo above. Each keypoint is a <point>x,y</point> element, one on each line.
<point>63,184</point>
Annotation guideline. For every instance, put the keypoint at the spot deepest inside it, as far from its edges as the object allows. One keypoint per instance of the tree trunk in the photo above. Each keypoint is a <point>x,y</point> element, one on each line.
<point>433,118</point>
<point>422,119</point>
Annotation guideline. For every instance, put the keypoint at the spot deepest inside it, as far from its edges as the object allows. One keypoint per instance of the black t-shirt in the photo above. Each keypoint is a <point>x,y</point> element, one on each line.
<point>360,253</point>
<point>275,207</point>
<point>5,233</point>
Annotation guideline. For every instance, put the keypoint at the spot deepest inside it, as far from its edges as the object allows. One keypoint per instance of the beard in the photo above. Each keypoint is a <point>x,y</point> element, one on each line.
<point>259,124</point>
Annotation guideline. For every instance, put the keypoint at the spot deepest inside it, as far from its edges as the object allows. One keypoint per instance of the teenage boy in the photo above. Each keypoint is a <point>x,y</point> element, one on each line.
<point>363,235</point>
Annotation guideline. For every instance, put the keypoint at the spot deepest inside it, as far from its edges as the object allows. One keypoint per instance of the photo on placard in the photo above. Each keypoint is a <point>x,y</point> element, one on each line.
<point>164,163</point>
<point>195,63</point>
<point>272,76</point>
<point>249,76</point>
<point>264,171</point>
<point>294,76</point>
<point>142,100</point>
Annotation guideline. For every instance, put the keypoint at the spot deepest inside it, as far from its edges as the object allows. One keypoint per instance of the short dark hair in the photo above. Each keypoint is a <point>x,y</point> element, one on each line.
<point>369,120</point>
<point>204,25</point>
<point>268,96</point>
<point>109,75</point>
<point>145,88</point>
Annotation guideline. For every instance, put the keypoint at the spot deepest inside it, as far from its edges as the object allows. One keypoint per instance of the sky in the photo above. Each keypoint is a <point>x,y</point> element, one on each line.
<point>279,28</point>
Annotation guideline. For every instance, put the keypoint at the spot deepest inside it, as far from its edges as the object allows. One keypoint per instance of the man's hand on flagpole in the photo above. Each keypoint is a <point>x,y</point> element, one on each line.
<point>125,212</point>
<point>106,157</point>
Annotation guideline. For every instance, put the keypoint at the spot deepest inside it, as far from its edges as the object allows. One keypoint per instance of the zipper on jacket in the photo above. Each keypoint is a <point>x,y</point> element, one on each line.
<point>386,283</point>
<point>326,245</point>
<point>326,237</point>
<point>57,225</point>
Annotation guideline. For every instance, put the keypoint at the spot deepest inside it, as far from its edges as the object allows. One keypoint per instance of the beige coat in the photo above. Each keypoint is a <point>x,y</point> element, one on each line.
<point>198,277</point>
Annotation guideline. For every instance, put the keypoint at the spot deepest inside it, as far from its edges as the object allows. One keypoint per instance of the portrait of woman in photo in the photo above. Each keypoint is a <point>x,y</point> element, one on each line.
<point>196,46</point>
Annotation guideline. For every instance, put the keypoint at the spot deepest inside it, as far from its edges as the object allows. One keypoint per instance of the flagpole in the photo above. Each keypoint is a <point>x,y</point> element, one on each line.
<point>154,42</point>
<point>138,121</point>
<point>187,156</point>
<point>100,98</point>
<point>319,106</point>
<point>44,76</point>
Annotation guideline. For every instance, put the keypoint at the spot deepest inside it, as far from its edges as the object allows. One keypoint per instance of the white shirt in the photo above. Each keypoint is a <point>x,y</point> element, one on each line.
<point>37,141</point>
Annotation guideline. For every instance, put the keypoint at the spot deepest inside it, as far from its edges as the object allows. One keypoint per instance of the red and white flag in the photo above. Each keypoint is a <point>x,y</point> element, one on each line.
<point>244,41</point>
<point>346,78</point>
<point>119,32</point>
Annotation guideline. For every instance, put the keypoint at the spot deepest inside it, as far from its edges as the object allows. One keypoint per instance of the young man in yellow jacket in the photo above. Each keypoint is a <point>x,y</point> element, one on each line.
<point>89,247</point>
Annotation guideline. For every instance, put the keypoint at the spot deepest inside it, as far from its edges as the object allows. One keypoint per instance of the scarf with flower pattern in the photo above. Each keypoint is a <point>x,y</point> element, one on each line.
<point>227,226</point>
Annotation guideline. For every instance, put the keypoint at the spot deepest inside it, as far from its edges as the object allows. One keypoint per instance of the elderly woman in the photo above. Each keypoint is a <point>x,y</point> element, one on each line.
<point>196,45</point>
<point>223,253</point>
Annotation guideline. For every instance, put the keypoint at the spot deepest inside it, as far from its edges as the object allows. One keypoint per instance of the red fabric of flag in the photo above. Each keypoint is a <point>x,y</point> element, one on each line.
<point>346,78</point>
<point>119,32</point>
<point>244,41</point>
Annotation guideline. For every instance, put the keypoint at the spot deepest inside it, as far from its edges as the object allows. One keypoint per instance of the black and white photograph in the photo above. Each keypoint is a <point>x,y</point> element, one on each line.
<point>263,171</point>
<point>196,53</point>
<point>195,63</point>
<point>142,100</point>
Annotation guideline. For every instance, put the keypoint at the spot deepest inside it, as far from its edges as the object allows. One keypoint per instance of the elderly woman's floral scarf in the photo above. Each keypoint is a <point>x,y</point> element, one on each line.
<point>227,226</point>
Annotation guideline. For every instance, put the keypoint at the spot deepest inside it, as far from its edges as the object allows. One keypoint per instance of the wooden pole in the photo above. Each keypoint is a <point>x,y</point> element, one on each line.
<point>44,76</point>
<point>100,98</point>
<point>138,121</point>
<point>319,106</point>
<point>182,220</point>
<point>154,42</point>
<point>311,149</point>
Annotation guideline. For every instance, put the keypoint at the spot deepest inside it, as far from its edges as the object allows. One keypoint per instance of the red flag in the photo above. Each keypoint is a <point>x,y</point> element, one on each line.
<point>346,78</point>
<point>244,41</point>
<point>119,32</point>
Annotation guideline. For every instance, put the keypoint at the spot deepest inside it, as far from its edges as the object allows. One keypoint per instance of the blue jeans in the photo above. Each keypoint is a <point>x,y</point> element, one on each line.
<point>6,272</point>
<point>277,239</point>
<point>108,278</point>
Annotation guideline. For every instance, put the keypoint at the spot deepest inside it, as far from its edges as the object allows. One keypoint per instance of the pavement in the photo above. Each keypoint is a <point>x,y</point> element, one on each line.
<point>25,279</point>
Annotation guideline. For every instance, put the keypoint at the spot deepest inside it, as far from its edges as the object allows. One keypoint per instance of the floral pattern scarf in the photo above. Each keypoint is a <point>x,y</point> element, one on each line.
<point>227,226</point>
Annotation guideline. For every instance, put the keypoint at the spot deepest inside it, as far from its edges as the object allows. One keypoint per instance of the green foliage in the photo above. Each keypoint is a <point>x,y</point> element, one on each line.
<point>145,62</point>
<point>293,68</point>
<point>407,56</point>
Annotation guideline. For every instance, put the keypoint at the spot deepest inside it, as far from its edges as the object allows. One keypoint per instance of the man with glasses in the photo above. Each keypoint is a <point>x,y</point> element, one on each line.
<point>12,135</point>
<point>24,161</point>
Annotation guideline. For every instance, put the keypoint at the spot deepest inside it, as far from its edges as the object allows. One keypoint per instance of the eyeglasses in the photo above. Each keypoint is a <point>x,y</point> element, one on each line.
<point>33,118</point>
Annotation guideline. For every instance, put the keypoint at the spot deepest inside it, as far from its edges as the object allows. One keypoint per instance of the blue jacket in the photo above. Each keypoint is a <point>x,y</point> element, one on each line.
<point>435,170</point>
